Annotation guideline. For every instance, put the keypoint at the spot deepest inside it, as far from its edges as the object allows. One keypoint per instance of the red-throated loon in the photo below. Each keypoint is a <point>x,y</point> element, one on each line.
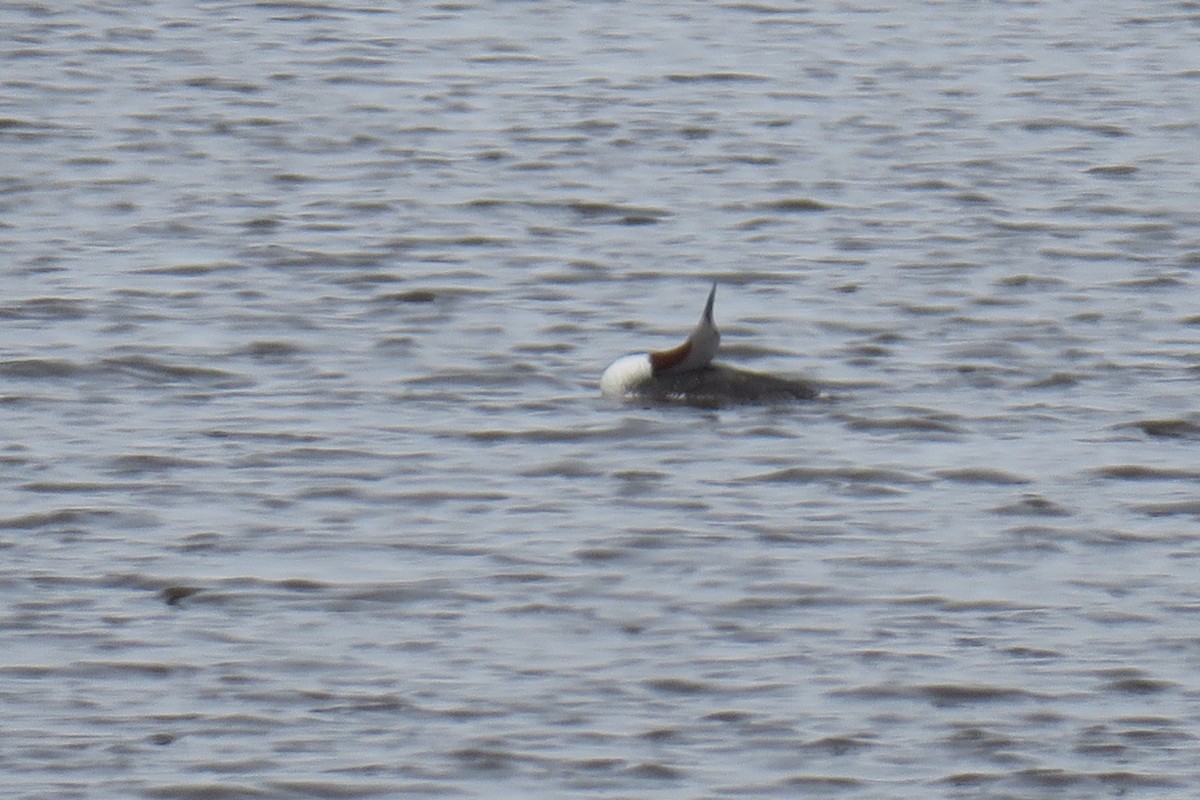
<point>686,374</point>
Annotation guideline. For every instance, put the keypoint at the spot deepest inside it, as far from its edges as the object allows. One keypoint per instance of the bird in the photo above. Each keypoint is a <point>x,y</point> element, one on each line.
<point>686,374</point>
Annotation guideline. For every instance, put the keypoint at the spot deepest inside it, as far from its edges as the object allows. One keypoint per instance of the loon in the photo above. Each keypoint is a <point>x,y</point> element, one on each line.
<point>686,375</point>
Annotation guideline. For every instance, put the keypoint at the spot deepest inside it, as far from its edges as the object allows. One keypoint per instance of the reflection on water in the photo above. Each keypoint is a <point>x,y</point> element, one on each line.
<point>312,492</point>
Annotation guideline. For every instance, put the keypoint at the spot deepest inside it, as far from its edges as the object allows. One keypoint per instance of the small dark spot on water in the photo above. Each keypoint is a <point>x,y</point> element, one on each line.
<point>655,772</point>
<point>852,244</point>
<point>1053,124</point>
<point>958,694</point>
<point>1162,281</point>
<point>1055,381</point>
<point>368,279</point>
<point>1087,316</point>
<point>974,198</point>
<point>1050,778</point>
<point>839,745</point>
<point>8,124</point>
<point>1033,505</point>
<point>1032,652</point>
<point>986,475</point>
<point>261,224</point>
<point>599,554</point>
<point>1137,472</point>
<point>61,518</point>
<point>756,223</point>
<point>903,424</point>
<point>629,215</point>
<point>222,84</point>
<point>639,219</point>
<point>839,474</point>
<point>174,595</point>
<point>754,160</point>
<point>729,716</point>
<point>44,308</point>
<point>484,759</point>
<point>1113,171</point>
<point>794,204</point>
<point>979,741</point>
<point>141,463</point>
<point>37,368</point>
<point>161,738</point>
<point>268,350</point>
<point>570,468</point>
<point>677,686</point>
<point>1100,740</point>
<point>970,779</point>
<point>410,296</point>
<point>191,270</point>
<point>281,437</point>
<point>821,783</point>
<point>201,542</point>
<point>1170,509</point>
<point>928,310</point>
<point>1169,428</point>
<point>1138,686</point>
<point>302,585</point>
<point>526,578</point>
<point>1154,730</point>
<point>601,763</point>
<point>715,77</point>
<point>1030,282</point>
<point>155,371</point>
<point>660,734</point>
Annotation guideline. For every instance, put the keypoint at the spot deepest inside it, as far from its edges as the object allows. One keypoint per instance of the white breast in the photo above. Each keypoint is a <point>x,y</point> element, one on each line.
<point>625,375</point>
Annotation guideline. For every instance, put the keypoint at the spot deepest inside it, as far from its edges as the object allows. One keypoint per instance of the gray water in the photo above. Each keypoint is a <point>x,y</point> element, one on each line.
<point>309,490</point>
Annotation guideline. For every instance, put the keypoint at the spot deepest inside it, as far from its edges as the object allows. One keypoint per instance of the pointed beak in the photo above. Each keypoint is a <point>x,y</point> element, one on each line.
<point>708,307</point>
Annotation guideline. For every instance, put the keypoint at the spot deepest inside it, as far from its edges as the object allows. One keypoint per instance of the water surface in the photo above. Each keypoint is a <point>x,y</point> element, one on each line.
<point>311,492</point>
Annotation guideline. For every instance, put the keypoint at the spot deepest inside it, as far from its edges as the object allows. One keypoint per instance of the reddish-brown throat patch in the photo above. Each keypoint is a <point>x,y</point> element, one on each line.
<point>665,360</point>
